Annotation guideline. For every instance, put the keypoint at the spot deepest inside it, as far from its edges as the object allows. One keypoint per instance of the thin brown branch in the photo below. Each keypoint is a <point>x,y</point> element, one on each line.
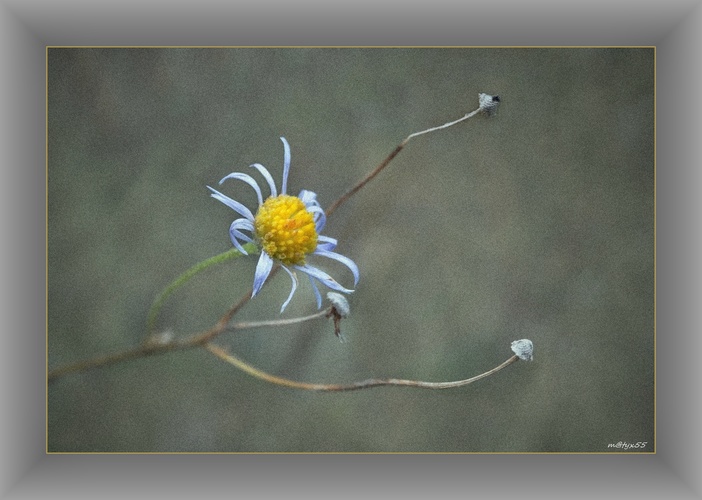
<point>110,359</point>
<point>348,194</point>
<point>151,348</point>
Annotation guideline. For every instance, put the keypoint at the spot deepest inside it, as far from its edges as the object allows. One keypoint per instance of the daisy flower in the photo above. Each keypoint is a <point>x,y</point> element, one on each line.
<point>286,229</point>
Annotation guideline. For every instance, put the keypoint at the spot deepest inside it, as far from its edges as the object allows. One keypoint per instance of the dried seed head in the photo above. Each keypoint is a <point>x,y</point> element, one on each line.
<point>488,103</point>
<point>339,309</point>
<point>340,304</point>
<point>524,349</point>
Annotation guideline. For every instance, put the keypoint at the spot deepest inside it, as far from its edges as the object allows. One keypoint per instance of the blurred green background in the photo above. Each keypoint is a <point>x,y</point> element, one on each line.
<point>537,223</point>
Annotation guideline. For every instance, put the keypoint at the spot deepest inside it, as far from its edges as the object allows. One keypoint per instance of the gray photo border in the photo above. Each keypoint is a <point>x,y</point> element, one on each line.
<point>28,26</point>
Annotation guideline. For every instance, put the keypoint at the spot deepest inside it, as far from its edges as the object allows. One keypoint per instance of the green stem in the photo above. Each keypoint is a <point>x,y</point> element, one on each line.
<point>183,278</point>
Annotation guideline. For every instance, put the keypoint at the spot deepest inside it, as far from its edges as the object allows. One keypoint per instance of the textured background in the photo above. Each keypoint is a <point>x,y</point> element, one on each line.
<point>538,223</point>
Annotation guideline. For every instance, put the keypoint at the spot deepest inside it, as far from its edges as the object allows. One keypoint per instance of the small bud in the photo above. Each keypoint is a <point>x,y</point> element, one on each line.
<point>524,349</point>
<point>488,103</point>
<point>340,303</point>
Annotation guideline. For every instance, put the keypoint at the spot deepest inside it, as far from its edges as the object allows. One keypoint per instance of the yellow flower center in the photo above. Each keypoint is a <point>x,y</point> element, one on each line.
<point>285,229</point>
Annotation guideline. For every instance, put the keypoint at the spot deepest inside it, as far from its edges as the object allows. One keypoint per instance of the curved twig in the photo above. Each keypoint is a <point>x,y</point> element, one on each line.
<point>354,386</point>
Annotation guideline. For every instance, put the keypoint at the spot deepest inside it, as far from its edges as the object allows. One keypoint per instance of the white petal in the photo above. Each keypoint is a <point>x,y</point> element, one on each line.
<point>294,287</point>
<point>269,178</point>
<point>237,235</point>
<point>248,180</point>
<point>286,166</point>
<point>316,292</point>
<point>234,205</point>
<point>244,224</point>
<point>263,269</point>
<point>323,277</point>
<point>320,217</point>
<point>326,243</point>
<point>340,258</point>
<point>308,197</point>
